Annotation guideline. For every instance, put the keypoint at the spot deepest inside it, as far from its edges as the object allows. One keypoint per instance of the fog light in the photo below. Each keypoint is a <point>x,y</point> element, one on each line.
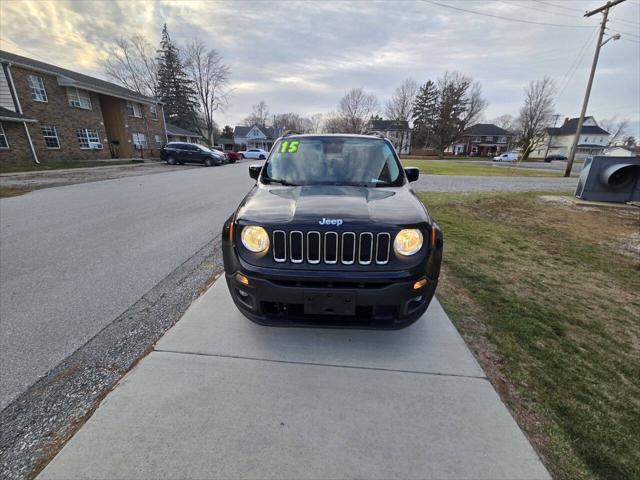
<point>420,283</point>
<point>240,278</point>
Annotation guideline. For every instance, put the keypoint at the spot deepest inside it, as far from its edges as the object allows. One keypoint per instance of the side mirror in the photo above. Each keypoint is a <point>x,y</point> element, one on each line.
<point>254,171</point>
<point>412,173</point>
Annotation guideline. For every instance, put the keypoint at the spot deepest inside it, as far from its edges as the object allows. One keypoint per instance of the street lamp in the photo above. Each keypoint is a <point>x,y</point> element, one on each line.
<point>615,37</point>
<point>605,10</point>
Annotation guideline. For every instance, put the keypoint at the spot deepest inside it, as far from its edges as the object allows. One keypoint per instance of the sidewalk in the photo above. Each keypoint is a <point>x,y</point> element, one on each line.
<point>221,397</point>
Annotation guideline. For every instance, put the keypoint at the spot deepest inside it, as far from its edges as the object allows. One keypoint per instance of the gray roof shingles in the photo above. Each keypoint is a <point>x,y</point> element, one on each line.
<point>386,125</point>
<point>484,129</point>
<point>175,130</point>
<point>570,126</point>
<point>9,115</point>
<point>76,76</point>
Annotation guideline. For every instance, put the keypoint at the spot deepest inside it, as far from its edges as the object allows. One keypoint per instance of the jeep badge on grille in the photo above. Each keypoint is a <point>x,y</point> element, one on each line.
<point>331,221</point>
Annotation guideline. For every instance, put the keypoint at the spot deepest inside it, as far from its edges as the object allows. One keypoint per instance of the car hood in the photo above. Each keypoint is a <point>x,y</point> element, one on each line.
<point>309,205</point>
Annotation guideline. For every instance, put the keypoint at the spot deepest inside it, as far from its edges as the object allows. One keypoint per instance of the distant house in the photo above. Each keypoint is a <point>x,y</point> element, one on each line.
<point>225,143</point>
<point>177,134</point>
<point>397,131</point>
<point>620,151</point>
<point>254,136</point>
<point>49,113</point>
<point>482,140</point>
<point>557,140</point>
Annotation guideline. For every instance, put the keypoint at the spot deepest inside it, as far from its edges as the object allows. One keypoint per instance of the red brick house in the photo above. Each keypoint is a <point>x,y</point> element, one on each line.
<point>483,140</point>
<point>49,113</point>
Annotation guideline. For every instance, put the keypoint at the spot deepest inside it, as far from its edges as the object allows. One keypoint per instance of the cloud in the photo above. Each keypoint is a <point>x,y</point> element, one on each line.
<point>303,56</point>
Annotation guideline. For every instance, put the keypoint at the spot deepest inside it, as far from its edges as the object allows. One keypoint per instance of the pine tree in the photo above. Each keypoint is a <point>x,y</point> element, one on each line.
<point>425,113</point>
<point>174,87</point>
<point>227,132</point>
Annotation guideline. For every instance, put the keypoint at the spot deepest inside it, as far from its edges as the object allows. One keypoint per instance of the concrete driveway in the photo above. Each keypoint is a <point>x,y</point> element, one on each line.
<point>220,397</point>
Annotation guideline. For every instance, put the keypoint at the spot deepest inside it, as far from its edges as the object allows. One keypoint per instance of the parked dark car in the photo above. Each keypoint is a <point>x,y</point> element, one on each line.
<point>332,235</point>
<point>554,157</point>
<point>180,153</point>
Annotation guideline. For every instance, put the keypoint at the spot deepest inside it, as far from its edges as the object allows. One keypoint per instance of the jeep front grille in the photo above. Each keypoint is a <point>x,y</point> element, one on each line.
<point>346,248</point>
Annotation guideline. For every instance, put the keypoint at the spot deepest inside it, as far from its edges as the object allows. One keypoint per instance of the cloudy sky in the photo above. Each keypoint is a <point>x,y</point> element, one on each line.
<point>303,56</point>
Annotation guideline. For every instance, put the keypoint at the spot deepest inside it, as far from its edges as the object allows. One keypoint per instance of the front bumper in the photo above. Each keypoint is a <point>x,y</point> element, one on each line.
<point>376,305</point>
<point>280,297</point>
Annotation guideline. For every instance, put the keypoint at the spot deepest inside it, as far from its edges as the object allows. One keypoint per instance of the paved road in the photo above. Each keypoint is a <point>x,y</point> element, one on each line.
<point>73,258</point>
<point>451,183</point>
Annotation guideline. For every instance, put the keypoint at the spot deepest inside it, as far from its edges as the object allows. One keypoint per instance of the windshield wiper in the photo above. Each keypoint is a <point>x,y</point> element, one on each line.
<point>281,182</point>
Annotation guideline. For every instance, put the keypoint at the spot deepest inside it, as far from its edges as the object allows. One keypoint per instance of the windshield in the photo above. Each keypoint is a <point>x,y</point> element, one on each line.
<point>333,161</point>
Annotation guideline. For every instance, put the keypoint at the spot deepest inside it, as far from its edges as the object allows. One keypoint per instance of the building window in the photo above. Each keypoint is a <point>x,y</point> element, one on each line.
<point>503,140</point>
<point>79,98</point>
<point>140,141</point>
<point>153,109</point>
<point>134,109</point>
<point>3,138</point>
<point>87,136</point>
<point>36,85</point>
<point>50,135</point>
<point>158,141</point>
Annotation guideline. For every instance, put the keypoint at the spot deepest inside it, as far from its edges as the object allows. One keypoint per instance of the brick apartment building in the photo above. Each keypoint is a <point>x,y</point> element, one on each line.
<point>48,113</point>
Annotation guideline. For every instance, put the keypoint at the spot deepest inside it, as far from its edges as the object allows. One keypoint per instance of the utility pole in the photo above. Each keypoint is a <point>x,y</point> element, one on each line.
<point>605,10</point>
<point>556,116</point>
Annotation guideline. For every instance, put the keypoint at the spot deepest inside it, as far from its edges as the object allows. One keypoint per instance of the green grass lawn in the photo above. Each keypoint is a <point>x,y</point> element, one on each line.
<point>469,168</point>
<point>546,295</point>
<point>46,166</point>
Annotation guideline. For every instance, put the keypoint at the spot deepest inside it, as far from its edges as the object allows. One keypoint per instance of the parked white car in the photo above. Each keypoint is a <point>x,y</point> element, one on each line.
<point>506,157</point>
<point>256,153</point>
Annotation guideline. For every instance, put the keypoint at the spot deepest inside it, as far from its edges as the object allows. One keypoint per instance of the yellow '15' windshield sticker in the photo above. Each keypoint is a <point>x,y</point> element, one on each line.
<point>289,147</point>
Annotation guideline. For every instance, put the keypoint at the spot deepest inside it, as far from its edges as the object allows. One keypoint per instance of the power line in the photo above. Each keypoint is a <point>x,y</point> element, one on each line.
<point>622,31</point>
<point>510,19</point>
<point>583,11</point>
<point>538,10</point>
<point>568,76</point>
<point>629,40</point>
<point>561,6</point>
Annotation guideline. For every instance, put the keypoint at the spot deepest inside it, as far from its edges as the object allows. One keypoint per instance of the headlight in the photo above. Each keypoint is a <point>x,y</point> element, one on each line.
<point>255,239</point>
<point>408,241</point>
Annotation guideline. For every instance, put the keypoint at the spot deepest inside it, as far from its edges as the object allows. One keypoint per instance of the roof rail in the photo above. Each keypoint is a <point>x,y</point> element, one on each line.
<point>289,133</point>
<point>374,133</point>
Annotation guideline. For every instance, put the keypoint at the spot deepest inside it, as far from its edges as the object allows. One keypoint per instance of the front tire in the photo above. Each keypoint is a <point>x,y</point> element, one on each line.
<point>171,161</point>
<point>262,157</point>
<point>208,162</point>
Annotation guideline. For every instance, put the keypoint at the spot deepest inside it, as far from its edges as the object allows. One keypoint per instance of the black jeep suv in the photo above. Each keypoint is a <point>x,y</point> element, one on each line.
<point>332,235</point>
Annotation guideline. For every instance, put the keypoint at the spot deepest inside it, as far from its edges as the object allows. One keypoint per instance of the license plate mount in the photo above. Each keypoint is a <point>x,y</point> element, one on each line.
<point>329,303</point>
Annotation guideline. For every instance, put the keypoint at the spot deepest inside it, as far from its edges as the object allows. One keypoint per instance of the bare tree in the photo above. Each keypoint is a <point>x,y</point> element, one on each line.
<point>506,122</point>
<point>617,128</point>
<point>355,109</point>
<point>334,123</point>
<point>400,105</point>
<point>133,64</point>
<point>210,77</point>
<point>316,123</point>
<point>259,115</point>
<point>535,114</point>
